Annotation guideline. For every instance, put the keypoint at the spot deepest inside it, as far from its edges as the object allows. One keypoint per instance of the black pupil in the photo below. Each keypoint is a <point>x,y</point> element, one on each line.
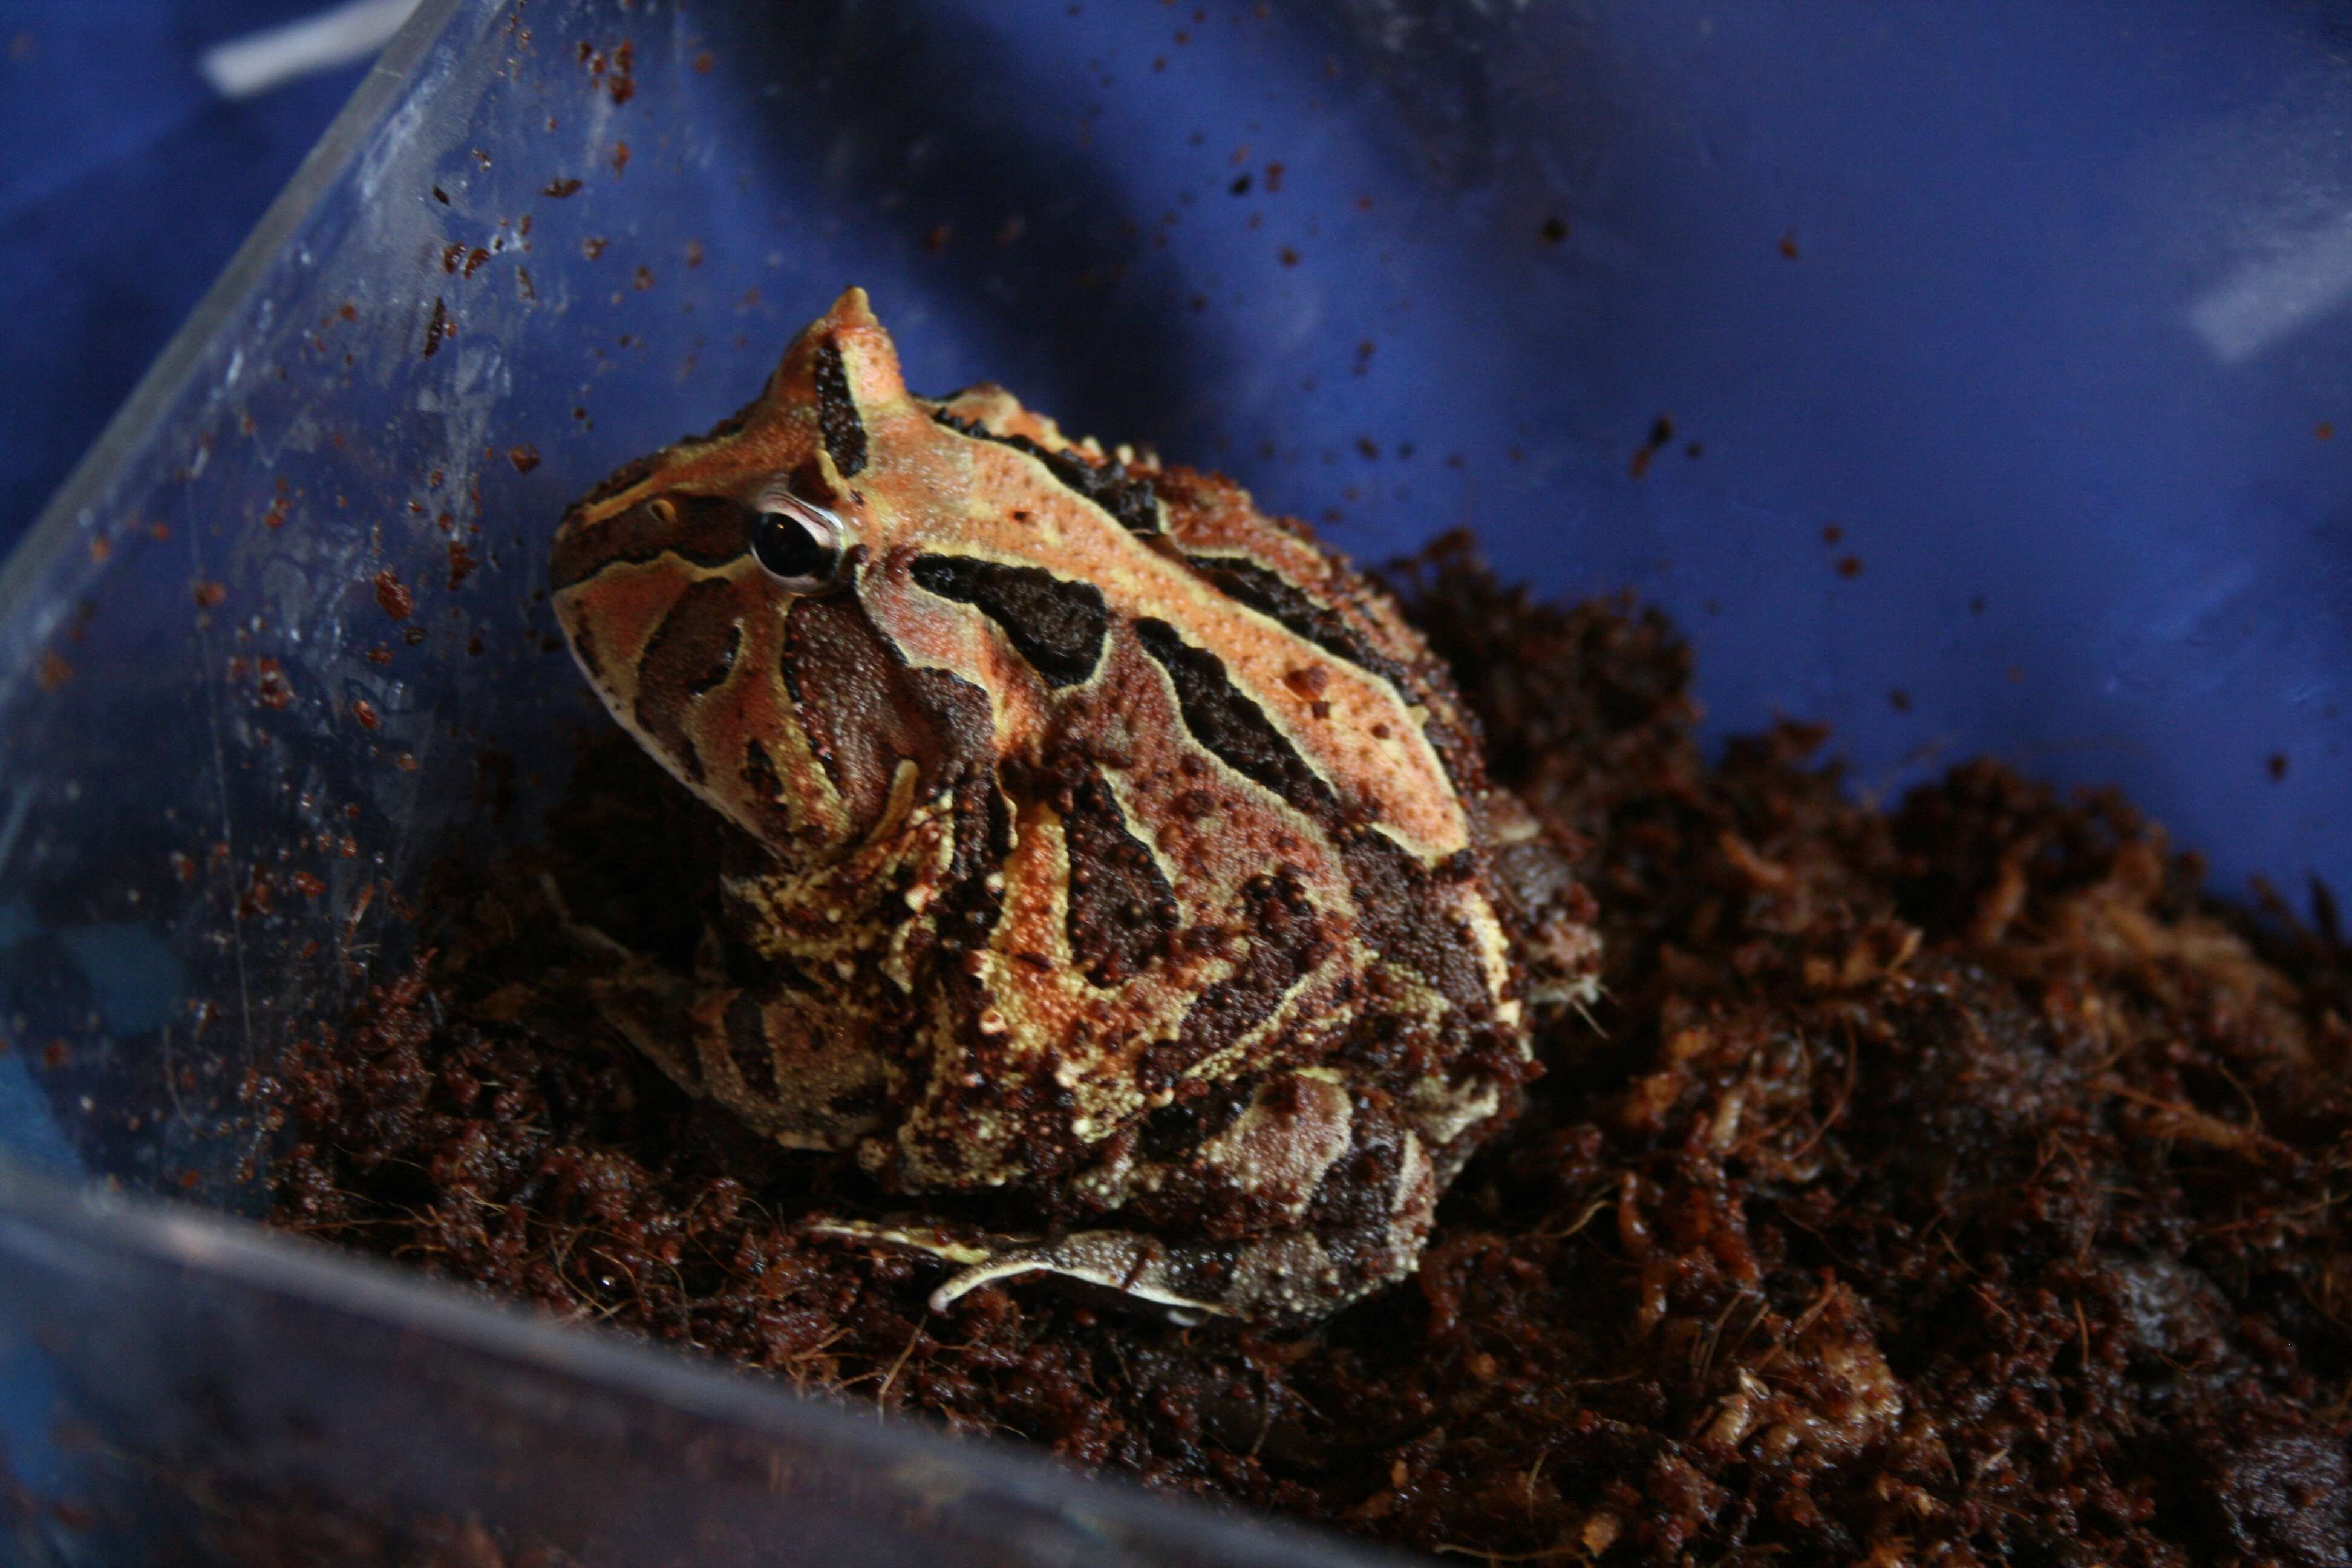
<point>788,548</point>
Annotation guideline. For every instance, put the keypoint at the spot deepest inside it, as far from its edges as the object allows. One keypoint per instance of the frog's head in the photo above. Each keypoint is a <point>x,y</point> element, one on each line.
<point>731,600</point>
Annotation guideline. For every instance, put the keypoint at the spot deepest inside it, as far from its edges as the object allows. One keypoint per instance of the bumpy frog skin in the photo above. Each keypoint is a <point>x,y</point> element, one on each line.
<point>1101,838</point>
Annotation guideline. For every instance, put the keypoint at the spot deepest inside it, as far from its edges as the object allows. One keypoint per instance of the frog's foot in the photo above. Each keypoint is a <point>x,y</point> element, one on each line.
<point>648,1005</point>
<point>587,938</point>
<point>1142,1269</point>
<point>1289,1276</point>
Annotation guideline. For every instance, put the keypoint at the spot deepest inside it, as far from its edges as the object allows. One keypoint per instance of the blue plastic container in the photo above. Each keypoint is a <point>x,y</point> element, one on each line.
<point>1968,378</point>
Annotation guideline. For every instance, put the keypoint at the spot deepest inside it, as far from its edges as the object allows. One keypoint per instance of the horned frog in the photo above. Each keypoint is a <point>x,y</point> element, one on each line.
<point>1101,839</point>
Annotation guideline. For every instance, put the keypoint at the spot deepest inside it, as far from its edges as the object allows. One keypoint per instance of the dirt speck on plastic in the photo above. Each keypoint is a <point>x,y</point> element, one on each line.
<point>392,595</point>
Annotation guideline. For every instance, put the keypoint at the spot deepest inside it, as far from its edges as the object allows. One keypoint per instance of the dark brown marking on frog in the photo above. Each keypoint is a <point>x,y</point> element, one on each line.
<point>690,653</point>
<point>747,1045</point>
<point>853,703</point>
<point>1122,911</point>
<point>1275,597</point>
<point>837,419</point>
<point>1170,1135</point>
<point>1395,895</point>
<point>767,785</point>
<point>1286,940</point>
<point>1055,624</point>
<point>1226,721</point>
<point>705,531</point>
<point>967,911</point>
<point>1129,501</point>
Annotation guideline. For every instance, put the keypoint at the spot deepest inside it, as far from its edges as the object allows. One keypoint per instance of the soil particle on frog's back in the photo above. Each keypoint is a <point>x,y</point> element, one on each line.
<point>1949,1184</point>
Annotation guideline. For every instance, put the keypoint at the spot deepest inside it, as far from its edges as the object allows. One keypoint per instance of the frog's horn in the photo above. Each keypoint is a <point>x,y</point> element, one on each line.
<point>842,366</point>
<point>843,358</point>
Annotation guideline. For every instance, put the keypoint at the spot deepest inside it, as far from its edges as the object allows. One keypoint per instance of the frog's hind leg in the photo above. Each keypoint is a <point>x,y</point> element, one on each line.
<point>1142,1269</point>
<point>648,1003</point>
<point>1288,1278</point>
<point>766,1053</point>
<point>772,1054</point>
<point>1285,1277</point>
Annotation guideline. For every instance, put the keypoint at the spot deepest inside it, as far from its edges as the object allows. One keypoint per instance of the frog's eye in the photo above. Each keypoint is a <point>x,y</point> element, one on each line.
<point>802,545</point>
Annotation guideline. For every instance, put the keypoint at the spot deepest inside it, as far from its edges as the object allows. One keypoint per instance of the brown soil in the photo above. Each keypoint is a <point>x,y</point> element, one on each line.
<point>1951,1185</point>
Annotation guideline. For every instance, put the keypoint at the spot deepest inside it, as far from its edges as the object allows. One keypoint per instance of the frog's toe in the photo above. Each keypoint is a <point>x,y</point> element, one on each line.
<point>913,1235</point>
<point>586,938</point>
